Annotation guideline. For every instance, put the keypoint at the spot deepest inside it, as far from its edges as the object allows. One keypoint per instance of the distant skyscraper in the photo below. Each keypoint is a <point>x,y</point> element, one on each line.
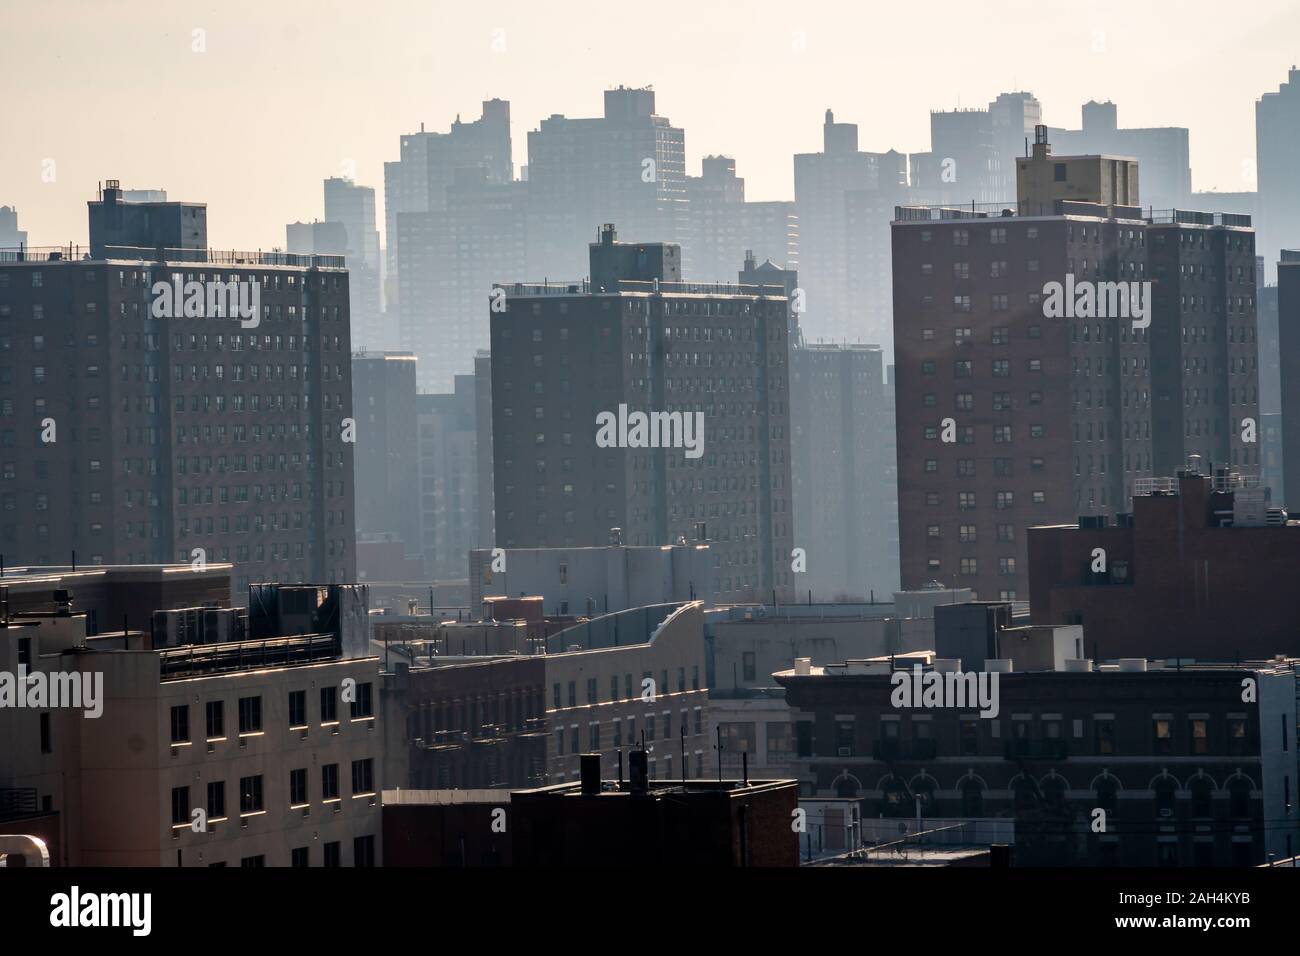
<point>628,167</point>
<point>843,472</point>
<point>387,460</point>
<point>1162,153</point>
<point>1014,117</point>
<point>418,181</point>
<point>845,200</point>
<point>449,260</point>
<point>724,226</point>
<point>354,207</point>
<point>316,238</point>
<point>11,236</point>
<point>572,372</point>
<point>1288,316</point>
<point>1277,157</point>
<point>449,525</point>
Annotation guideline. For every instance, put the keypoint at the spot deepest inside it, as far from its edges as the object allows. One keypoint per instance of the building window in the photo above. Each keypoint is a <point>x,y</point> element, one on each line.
<point>216,800</point>
<point>180,805</point>
<point>749,665</point>
<point>329,705</point>
<point>332,855</point>
<point>363,776</point>
<point>329,781</point>
<point>250,794</point>
<point>250,715</point>
<point>363,851</point>
<point>297,787</point>
<point>180,723</point>
<point>300,858</point>
<point>363,706</point>
<point>297,708</point>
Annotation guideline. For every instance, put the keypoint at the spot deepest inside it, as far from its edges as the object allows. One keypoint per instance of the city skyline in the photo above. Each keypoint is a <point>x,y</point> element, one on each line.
<point>401,75</point>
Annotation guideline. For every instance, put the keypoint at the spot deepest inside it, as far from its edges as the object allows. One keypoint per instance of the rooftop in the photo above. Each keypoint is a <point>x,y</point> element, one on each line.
<point>155,256</point>
<point>629,287</point>
<point>911,214</point>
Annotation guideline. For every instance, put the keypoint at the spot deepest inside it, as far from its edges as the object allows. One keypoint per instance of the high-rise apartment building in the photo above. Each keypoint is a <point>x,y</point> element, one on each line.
<point>354,207</point>
<point>845,200</point>
<point>1277,143</point>
<point>647,405</point>
<point>1288,324</point>
<point>387,460</point>
<point>843,471</point>
<point>1049,361</point>
<point>627,166</point>
<point>145,425</point>
<point>449,485</point>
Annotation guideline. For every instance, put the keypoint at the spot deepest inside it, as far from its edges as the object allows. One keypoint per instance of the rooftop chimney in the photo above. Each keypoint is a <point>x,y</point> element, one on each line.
<point>590,765</point>
<point>639,771</point>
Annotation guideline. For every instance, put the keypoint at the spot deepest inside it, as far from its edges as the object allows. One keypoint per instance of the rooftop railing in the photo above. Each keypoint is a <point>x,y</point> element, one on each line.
<point>1063,207</point>
<point>584,287</point>
<point>156,254</point>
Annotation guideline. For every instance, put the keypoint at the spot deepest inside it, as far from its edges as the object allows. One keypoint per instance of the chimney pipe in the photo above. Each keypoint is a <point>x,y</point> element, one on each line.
<point>590,768</point>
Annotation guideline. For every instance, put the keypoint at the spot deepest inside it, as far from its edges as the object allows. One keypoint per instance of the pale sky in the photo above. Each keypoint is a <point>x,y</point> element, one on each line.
<point>289,91</point>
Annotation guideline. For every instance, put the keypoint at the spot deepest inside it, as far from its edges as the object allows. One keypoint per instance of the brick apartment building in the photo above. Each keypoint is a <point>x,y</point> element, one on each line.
<point>1198,570</point>
<point>1187,773</point>
<point>1013,413</point>
<point>639,339</point>
<point>132,439</point>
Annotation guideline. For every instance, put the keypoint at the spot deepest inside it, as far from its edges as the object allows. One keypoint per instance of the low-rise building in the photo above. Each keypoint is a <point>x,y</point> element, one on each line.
<point>1200,569</point>
<point>262,751</point>
<point>1128,764</point>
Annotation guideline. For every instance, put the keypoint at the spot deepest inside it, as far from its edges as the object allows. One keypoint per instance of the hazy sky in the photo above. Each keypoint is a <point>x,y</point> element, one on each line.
<point>289,91</point>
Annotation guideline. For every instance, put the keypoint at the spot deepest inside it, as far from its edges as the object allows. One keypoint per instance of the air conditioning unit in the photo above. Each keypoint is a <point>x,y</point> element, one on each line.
<point>1166,813</point>
<point>844,752</point>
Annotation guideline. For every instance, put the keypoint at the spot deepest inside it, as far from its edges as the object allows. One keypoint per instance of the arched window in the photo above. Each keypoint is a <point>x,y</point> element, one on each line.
<point>846,787</point>
<point>1026,794</point>
<point>1107,792</point>
<point>1165,789</point>
<point>894,800</point>
<point>1239,797</point>
<point>1202,789</point>
<point>1053,790</point>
